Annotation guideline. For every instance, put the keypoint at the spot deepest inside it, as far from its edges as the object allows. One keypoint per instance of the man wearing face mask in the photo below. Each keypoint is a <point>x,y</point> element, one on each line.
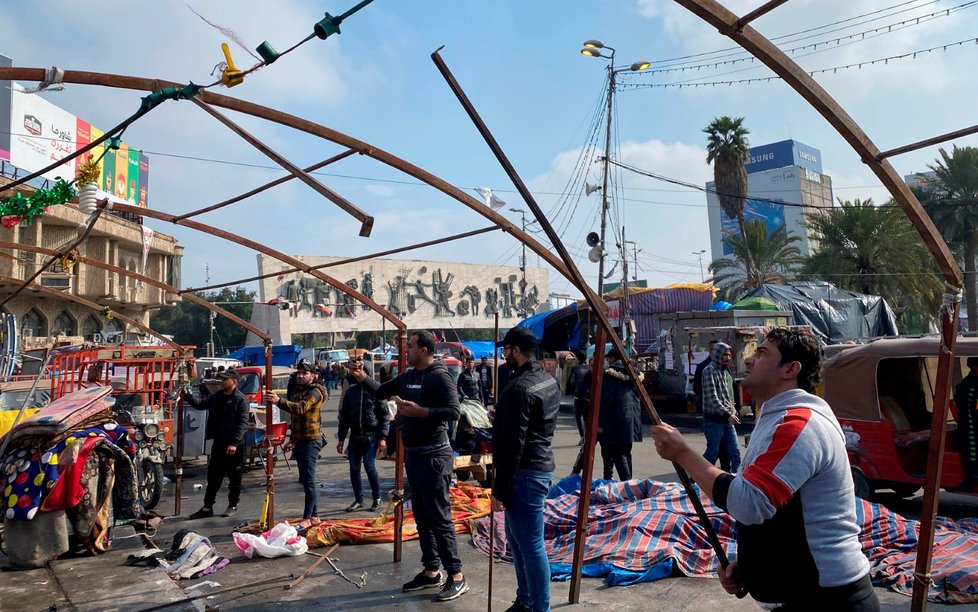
<point>304,402</point>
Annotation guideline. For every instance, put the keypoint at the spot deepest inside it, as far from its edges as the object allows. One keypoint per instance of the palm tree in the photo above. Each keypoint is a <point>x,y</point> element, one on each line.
<point>952,202</point>
<point>727,149</point>
<point>875,250</point>
<point>757,258</point>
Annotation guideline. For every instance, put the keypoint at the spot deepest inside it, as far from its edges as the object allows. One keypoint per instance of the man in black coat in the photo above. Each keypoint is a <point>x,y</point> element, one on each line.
<point>966,402</point>
<point>484,370</point>
<point>578,387</point>
<point>469,385</point>
<point>368,422</point>
<point>619,419</point>
<point>227,422</point>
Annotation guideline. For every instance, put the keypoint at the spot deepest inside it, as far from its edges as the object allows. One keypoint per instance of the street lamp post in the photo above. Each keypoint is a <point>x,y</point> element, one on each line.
<point>592,48</point>
<point>699,254</point>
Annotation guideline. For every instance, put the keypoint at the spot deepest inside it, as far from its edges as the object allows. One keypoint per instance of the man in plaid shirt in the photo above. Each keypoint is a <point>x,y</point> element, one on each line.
<point>719,413</point>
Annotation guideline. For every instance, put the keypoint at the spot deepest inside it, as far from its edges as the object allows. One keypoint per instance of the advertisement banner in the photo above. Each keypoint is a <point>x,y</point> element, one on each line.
<point>108,172</point>
<point>143,180</point>
<point>83,136</point>
<point>41,133</point>
<point>132,192</point>
<point>771,213</point>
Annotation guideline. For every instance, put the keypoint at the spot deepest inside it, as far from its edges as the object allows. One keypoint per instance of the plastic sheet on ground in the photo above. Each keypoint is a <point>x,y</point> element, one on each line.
<point>282,540</point>
<point>644,530</point>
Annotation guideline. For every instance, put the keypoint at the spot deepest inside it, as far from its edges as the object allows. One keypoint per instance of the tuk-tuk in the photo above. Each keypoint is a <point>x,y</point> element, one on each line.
<point>883,394</point>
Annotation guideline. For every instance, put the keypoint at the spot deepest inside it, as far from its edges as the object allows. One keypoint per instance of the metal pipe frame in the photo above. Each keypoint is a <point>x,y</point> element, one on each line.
<point>269,185</point>
<point>366,221</point>
<point>96,307</point>
<point>409,247</point>
<point>251,244</point>
<point>929,142</point>
<point>303,125</point>
<point>767,52</point>
<point>146,279</point>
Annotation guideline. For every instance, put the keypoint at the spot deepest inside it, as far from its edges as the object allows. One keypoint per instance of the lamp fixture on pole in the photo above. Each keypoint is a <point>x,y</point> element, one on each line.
<point>699,254</point>
<point>523,259</point>
<point>594,48</point>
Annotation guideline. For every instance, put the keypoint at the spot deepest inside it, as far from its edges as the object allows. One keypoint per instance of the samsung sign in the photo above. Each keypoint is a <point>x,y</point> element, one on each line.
<point>781,154</point>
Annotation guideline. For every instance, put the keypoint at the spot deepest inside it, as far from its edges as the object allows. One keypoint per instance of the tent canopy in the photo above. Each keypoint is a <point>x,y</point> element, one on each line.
<point>835,315</point>
<point>755,303</point>
<point>557,330</point>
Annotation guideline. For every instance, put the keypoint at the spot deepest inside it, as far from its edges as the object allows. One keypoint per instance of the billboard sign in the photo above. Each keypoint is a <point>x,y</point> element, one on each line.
<point>781,154</point>
<point>41,133</point>
<point>770,212</point>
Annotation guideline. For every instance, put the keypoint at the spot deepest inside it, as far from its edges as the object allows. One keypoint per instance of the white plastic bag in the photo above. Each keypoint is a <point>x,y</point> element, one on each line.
<point>281,541</point>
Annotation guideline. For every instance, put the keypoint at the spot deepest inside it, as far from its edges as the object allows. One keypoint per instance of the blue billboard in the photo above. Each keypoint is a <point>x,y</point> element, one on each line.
<point>770,212</point>
<point>781,154</point>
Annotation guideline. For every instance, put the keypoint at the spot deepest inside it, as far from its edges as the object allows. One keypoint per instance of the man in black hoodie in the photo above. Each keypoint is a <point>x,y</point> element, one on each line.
<point>427,400</point>
<point>526,416</point>
<point>227,422</point>
<point>368,421</point>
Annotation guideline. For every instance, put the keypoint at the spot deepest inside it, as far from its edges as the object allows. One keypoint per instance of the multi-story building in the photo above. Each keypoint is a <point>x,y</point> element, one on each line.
<point>784,184</point>
<point>114,240</point>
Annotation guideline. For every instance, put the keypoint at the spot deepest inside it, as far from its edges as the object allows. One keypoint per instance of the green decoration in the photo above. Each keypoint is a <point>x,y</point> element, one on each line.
<point>15,209</point>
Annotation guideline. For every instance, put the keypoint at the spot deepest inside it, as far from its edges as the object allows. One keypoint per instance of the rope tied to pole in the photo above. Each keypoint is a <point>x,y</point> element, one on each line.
<point>952,296</point>
<point>53,81</point>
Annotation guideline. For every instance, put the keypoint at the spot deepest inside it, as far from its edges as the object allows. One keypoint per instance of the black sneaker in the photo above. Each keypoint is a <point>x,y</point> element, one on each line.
<point>518,606</point>
<point>354,506</point>
<point>231,511</point>
<point>202,513</point>
<point>374,507</point>
<point>453,589</point>
<point>423,582</point>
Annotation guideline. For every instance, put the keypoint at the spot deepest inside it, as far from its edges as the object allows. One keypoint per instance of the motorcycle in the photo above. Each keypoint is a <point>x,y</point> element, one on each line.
<point>151,450</point>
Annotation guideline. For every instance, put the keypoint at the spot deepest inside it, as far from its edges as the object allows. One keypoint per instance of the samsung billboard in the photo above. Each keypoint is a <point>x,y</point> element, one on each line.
<point>782,154</point>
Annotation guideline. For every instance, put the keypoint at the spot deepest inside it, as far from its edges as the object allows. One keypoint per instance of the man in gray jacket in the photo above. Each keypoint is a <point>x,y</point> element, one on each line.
<point>797,537</point>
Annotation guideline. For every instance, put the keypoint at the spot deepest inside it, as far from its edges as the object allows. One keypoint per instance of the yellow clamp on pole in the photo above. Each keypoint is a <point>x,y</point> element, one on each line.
<point>230,76</point>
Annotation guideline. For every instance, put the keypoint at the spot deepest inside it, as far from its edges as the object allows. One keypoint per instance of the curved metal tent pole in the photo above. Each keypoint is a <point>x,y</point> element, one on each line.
<point>767,52</point>
<point>304,125</point>
<point>96,307</point>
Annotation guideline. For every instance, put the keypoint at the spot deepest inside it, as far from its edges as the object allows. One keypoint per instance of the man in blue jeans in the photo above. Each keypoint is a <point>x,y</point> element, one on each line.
<point>304,402</point>
<point>522,433</point>
<point>368,422</point>
<point>719,413</point>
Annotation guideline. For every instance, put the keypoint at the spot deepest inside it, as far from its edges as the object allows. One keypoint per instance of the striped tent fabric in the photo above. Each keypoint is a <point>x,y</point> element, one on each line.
<point>641,530</point>
<point>644,307</point>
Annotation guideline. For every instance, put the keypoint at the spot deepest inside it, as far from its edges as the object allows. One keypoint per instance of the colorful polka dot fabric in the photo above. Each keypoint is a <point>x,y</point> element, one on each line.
<point>26,476</point>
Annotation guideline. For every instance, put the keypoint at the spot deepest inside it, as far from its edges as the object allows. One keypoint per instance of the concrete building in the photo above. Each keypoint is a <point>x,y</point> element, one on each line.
<point>113,240</point>
<point>424,294</point>
<point>784,183</point>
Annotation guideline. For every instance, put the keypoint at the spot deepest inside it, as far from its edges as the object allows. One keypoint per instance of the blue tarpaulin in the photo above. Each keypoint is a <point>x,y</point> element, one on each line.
<point>480,348</point>
<point>282,355</point>
<point>557,330</point>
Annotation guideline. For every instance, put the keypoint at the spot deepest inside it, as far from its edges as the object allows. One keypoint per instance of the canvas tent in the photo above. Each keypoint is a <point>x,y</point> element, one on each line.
<point>835,315</point>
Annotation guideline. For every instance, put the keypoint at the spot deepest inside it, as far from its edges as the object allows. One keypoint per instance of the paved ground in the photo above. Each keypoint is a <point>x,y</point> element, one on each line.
<point>104,583</point>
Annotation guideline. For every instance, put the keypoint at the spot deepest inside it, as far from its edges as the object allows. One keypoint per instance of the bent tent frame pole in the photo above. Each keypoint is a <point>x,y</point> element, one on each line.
<point>178,419</point>
<point>251,244</point>
<point>97,307</point>
<point>269,185</point>
<point>303,125</point>
<point>767,52</point>
<point>593,300</point>
<point>399,457</point>
<point>366,221</point>
<point>341,262</point>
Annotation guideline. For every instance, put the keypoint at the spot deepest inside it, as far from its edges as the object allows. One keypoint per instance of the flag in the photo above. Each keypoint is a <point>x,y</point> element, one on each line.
<point>323,309</point>
<point>490,199</point>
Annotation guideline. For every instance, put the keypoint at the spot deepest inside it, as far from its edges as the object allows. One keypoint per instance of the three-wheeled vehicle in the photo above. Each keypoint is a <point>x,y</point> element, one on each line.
<point>883,394</point>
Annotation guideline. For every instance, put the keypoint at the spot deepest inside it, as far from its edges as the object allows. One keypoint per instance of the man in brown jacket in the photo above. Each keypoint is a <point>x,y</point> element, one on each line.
<point>303,403</point>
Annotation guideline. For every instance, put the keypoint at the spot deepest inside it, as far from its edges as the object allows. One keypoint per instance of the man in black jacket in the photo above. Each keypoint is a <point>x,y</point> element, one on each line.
<point>576,386</point>
<point>427,401</point>
<point>368,422</point>
<point>469,386</point>
<point>619,418</point>
<point>227,422</point>
<point>526,416</point>
<point>484,370</point>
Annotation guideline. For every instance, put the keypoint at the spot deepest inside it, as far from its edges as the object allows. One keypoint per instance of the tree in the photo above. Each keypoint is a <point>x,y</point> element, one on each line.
<point>727,149</point>
<point>757,258</point>
<point>952,202</point>
<point>189,324</point>
<point>876,250</point>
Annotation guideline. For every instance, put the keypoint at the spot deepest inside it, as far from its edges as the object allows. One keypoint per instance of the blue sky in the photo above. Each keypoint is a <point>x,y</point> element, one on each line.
<point>519,62</point>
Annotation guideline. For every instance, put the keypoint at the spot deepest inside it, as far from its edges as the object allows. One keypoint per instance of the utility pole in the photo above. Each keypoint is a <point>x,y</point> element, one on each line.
<point>523,259</point>
<point>604,178</point>
<point>700,255</point>
<point>624,287</point>
<point>207,281</point>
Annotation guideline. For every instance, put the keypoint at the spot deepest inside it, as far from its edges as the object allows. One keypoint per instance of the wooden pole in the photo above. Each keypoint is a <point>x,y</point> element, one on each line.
<point>492,513</point>
<point>399,456</point>
<point>269,451</point>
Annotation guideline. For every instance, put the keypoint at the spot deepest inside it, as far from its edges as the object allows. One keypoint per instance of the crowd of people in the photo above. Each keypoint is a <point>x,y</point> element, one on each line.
<point>793,501</point>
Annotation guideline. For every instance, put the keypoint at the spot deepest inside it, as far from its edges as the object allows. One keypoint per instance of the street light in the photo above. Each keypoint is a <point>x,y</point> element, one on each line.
<point>523,261</point>
<point>700,255</point>
<point>593,48</point>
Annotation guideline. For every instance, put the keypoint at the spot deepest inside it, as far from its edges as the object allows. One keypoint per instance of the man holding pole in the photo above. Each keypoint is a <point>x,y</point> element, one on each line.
<point>427,401</point>
<point>526,416</point>
<point>794,501</point>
